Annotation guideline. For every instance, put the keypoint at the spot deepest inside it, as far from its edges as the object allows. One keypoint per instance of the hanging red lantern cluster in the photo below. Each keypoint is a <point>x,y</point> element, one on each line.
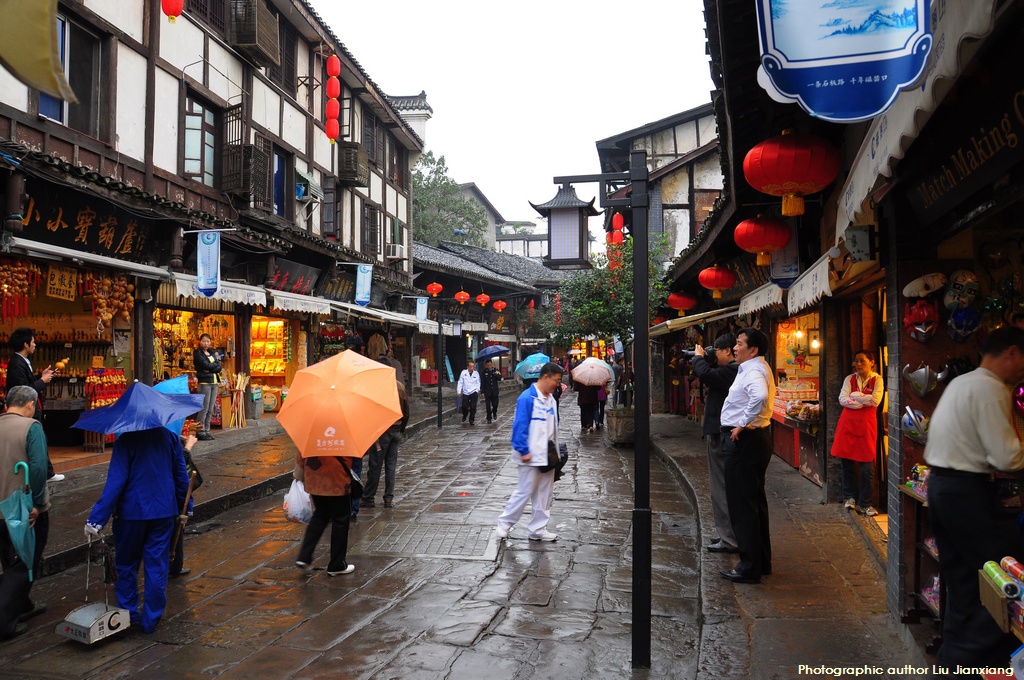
<point>791,166</point>
<point>530,307</point>
<point>462,297</point>
<point>172,8</point>
<point>483,299</point>
<point>615,240</point>
<point>717,279</point>
<point>434,288</point>
<point>762,235</point>
<point>332,111</point>
<point>682,302</point>
<point>500,305</point>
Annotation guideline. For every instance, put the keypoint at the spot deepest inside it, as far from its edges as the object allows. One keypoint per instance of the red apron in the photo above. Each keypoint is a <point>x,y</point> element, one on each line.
<point>857,433</point>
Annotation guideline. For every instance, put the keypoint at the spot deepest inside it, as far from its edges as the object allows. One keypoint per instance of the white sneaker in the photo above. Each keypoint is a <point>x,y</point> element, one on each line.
<point>302,565</point>
<point>57,478</point>
<point>869,511</point>
<point>502,531</point>
<point>850,504</point>
<point>543,536</point>
<point>347,570</point>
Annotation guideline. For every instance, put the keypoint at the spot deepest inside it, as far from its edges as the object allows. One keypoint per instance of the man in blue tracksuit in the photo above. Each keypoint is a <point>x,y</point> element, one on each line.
<point>146,488</point>
<point>534,435</point>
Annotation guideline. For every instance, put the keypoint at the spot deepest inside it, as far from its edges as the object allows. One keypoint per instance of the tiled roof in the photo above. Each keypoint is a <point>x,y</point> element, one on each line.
<point>427,257</point>
<point>566,198</point>
<point>525,269</point>
<point>416,102</point>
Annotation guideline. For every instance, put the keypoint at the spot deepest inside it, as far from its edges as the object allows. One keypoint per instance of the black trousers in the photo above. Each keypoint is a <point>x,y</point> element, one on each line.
<point>469,406</point>
<point>333,510</point>
<point>746,462</point>
<point>14,584</point>
<point>491,401</point>
<point>969,530</point>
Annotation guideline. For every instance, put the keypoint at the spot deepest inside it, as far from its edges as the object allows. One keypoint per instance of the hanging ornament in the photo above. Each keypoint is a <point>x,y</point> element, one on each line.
<point>434,288</point>
<point>462,297</point>
<point>717,279</point>
<point>172,8</point>
<point>682,302</point>
<point>333,66</point>
<point>500,305</point>
<point>483,299</point>
<point>791,166</point>
<point>762,235</point>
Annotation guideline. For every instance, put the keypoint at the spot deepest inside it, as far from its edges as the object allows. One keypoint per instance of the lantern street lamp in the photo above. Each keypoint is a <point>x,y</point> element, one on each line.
<point>566,213</point>
<point>568,235</point>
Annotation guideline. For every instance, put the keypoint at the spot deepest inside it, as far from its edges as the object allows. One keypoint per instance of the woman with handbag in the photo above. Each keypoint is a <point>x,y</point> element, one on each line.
<point>856,437</point>
<point>208,375</point>
<point>330,484</point>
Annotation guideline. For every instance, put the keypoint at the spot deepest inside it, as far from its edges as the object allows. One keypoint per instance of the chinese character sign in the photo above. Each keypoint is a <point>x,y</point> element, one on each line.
<point>62,283</point>
<point>842,61</point>
<point>208,263</point>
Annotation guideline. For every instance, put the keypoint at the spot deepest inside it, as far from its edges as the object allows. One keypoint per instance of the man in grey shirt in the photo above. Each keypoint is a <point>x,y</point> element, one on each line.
<point>970,436</point>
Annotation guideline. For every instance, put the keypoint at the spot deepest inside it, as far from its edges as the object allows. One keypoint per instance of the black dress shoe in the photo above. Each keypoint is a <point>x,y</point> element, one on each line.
<point>183,572</point>
<point>738,576</point>
<point>722,548</point>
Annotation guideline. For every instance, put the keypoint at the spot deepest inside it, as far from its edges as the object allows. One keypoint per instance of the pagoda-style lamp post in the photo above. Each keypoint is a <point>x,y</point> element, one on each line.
<point>567,226</point>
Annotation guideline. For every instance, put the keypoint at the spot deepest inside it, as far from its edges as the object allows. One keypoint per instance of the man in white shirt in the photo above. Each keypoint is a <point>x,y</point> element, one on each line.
<point>747,448</point>
<point>468,388</point>
<point>970,435</point>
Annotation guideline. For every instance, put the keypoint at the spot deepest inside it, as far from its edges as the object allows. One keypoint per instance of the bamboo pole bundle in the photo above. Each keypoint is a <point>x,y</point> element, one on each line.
<point>238,384</point>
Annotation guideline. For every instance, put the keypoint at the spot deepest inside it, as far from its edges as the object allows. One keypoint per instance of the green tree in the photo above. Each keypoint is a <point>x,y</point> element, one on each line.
<point>438,207</point>
<point>599,301</point>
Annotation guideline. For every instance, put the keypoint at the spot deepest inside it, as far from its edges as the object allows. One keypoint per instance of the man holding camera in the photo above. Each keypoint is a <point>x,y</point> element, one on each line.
<point>716,369</point>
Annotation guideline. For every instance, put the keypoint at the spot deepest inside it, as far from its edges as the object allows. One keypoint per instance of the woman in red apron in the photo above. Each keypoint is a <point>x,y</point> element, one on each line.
<point>855,442</point>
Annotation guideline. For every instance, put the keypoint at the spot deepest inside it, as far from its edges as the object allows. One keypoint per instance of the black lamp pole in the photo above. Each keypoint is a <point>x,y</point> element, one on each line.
<point>439,362</point>
<point>638,201</point>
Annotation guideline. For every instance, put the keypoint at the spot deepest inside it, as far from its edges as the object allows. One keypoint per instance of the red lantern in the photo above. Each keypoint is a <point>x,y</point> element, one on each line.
<point>333,88</point>
<point>616,238</point>
<point>333,109</point>
<point>483,299</point>
<point>658,320</point>
<point>717,279</point>
<point>500,305</point>
<point>332,129</point>
<point>762,235</point>
<point>617,222</point>
<point>333,66</point>
<point>791,166</point>
<point>434,288</point>
<point>682,302</point>
<point>462,296</point>
<point>172,8</point>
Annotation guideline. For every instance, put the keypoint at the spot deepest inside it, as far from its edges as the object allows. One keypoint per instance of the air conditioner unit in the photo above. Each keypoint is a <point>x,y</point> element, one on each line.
<point>254,32</point>
<point>353,165</point>
<point>394,251</point>
<point>246,171</point>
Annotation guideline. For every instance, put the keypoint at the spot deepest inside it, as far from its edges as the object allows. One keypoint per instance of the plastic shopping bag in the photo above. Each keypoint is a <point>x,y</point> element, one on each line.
<point>298,507</point>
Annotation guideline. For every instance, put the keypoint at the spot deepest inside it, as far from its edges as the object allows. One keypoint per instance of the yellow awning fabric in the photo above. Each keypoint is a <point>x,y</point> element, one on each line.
<point>692,320</point>
<point>30,49</point>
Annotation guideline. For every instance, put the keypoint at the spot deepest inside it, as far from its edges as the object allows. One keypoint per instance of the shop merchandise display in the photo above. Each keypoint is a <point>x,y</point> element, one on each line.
<point>922,381</point>
<point>923,286</point>
<point>20,278</point>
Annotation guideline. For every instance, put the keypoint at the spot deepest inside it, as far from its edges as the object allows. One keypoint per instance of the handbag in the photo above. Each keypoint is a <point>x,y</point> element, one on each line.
<point>356,487</point>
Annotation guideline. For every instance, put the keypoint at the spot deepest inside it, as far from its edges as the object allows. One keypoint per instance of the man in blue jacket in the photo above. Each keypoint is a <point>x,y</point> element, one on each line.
<point>534,435</point>
<point>146,488</point>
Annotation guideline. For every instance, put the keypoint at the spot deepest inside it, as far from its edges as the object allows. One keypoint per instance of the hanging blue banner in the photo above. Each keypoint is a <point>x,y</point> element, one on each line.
<point>421,309</point>
<point>364,278</point>
<point>208,263</point>
<point>842,60</point>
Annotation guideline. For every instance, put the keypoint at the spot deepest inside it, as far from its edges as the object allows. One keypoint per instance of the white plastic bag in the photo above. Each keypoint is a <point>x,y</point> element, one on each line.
<point>298,507</point>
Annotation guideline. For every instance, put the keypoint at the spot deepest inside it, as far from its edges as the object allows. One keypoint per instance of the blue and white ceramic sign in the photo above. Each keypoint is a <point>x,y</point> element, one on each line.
<point>842,60</point>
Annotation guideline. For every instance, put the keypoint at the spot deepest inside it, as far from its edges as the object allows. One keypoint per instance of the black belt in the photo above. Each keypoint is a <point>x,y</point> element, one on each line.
<point>950,472</point>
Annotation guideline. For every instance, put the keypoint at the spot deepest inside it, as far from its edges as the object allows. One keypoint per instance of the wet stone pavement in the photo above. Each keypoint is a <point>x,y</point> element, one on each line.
<point>435,593</point>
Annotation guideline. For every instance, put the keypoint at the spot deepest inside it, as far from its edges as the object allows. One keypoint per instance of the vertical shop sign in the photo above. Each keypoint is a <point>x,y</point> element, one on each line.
<point>61,283</point>
<point>421,308</point>
<point>364,278</point>
<point>208,263</point>
<point>785,267</point>
<point>842,61</point>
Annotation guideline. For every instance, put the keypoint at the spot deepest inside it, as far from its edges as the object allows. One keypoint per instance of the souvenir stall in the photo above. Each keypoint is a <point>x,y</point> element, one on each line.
<point>277,352</point>
<point>797,412</point>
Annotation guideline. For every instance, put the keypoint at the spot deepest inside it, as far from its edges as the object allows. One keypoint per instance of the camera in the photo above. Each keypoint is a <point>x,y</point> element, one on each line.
<point>709,355</point>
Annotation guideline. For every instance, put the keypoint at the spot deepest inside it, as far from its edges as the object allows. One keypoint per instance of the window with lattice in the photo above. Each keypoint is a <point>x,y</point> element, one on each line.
<point>370,237</point>
<point>210,12</point>
<point>285,76</point>
<point>199,141</point>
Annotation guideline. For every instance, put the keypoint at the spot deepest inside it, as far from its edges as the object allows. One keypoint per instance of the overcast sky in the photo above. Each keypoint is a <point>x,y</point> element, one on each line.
<point>522,91</point>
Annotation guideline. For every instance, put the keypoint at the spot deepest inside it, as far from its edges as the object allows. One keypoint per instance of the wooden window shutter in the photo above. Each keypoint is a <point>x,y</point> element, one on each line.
<point>330,207</point>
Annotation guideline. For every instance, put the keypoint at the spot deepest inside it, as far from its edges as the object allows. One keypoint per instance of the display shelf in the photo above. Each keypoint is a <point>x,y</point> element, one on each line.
<point>932,609</point>
<point>924,563</point>
<point>915,494</point>
<point>923,547</point>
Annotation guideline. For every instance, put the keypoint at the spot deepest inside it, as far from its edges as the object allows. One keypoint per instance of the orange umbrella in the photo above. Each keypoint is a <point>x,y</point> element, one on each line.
<point>340,406</point>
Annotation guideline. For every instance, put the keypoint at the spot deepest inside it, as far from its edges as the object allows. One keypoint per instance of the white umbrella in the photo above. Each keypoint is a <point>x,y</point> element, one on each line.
<point>592,371</point>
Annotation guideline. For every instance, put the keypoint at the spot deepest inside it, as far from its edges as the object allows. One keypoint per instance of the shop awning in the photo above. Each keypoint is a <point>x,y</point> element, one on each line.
<point>767,295</point>
<point>373,313</point>
<point>47,251</point>
<point>811,286</point>
<point>227,291</point>
<point>293,302</point>
<point>956,38</point>
<point>682,322</point>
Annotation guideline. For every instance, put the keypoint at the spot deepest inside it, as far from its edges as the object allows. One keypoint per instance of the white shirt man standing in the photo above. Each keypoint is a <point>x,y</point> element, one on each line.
<point>747,448</point>
<point>468,388</point>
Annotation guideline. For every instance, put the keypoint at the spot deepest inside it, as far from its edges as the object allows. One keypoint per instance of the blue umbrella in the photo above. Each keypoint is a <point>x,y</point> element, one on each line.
<point>529,367</point>
<point>177,385</point>
<point>492,351</point>
<point>140,408</point>
<point>16,510</point>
